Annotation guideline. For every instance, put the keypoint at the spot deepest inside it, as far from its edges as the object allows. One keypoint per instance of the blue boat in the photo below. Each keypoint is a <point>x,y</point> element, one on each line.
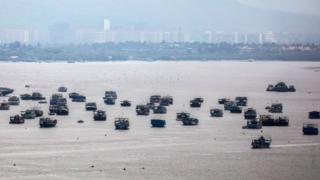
<point>314,115</point>
<point>79,98</point>
<point>310,129</point>
<point>158,123</point>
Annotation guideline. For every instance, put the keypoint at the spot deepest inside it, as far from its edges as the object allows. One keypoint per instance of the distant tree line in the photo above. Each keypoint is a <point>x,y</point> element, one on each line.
<point>159,51</point>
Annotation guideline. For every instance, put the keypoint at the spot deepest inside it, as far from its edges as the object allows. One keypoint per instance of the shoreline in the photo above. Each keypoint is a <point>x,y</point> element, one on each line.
<point>149,61</point>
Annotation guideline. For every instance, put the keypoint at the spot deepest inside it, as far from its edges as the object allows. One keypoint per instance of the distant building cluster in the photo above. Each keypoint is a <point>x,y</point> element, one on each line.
<point>21,35</point>
<point>63,33</point>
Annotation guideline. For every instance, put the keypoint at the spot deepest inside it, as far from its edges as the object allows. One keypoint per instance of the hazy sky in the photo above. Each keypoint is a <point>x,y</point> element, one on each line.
<point>296,6</point>
<point>228,15</point>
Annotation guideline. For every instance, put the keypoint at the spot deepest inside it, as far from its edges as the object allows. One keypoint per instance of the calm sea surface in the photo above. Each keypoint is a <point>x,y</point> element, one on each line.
<point>218,148</point>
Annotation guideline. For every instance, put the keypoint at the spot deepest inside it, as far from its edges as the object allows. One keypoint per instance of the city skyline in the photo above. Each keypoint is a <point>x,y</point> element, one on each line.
<point>64,33</point>
<point>98,21</point>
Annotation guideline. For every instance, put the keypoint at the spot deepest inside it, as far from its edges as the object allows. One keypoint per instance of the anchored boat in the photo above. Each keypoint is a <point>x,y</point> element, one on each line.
<point>250,113</point>
<point>158,123</point>
<point>62,89</point>
<point>166,101</point>
<point>223,100</point>
<point>121,123</point>
<point>190,121</point>
<point>78,98</point>
<point>142,110</point>
<point>14,101</point>
<point>125,103</point>
<point>4,106</point>
<point>261,142</point>
<point>276,108</point>
<point>253,124</point>
<point>314,115</point>
<point>269,120</point>
<point>17,119</point>
<point>159,110</point>
<point>91,106</point>
<point>235,109</point>
<point>5,91</point>
<point>99,115</point>
<point>281,87</point>
<point>182,115</point>
<point>196,102</point>
<point>216,112</point>
<point>47,122</point>
<point>241,101</point>
<point>310,129</point>
<point>155,99</point>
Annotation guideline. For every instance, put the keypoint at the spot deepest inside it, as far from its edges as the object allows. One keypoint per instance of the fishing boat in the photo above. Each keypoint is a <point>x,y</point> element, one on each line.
<point>158,123</point>
<point>310,129</point>
<point>227,105</point>
<point>4,106</point>
<point>79,98</point>
<point>241,101</point>
<point>37,111</point>
<point>281,87</point>
<point>110,94</point>
<point>17,119</point>
<point>58,99</point>
<point>314,115</point>
<point>91,106</point>
<point>159,110</point>
<point>190,121</point>
<point>269,120</point>
<point>125,103</point>
<point>109,100</point>
<point>28,114</point>
<point>235,109</point>
<point>5,91</point>
<point>73,94</point>
<point>276,108</point>
<point>216,112</point>
<point>100,115</point>
<point>142,110</point>
<point>250,113</point>
<point>166,101</point>
<point>47,122</point>
<point>253,124</point>
<point>196,102</point>
<point>155,99</point>
<point>121,123</point>
<point>261,142</point>
<point>62,89</point>
<point>182,115</point>
<point>62,110</point>
<point>26,97</point>
<point>223,100</point>
<point>36,96</point>
<point>14,101</point>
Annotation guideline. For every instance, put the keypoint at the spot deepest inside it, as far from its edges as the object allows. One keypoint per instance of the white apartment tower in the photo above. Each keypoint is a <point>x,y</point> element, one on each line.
<point>106,25</point>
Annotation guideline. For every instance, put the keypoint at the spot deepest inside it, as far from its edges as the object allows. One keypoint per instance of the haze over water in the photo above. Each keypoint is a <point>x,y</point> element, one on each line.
<point>218,148</point>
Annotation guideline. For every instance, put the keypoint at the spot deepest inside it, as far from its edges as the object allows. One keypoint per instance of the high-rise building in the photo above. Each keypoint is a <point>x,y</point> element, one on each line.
<point>269,37</point>
<point>208,36</point>
<point>106,25</point>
